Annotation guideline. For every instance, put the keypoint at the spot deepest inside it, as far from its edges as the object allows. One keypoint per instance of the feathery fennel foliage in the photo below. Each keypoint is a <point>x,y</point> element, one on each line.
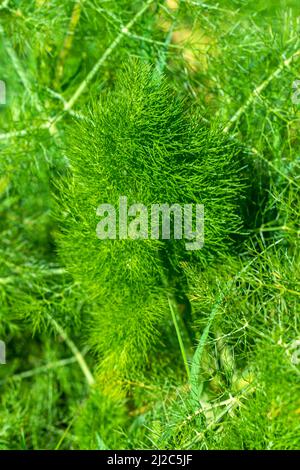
<point>141,343</point>
<point>141,143</point>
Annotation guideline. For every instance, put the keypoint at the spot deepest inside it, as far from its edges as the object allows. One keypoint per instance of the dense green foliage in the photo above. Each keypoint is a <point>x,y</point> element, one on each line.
<point>125,344</point>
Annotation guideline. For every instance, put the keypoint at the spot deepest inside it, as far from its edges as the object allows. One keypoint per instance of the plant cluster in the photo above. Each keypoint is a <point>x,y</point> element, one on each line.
<point>126,344</point>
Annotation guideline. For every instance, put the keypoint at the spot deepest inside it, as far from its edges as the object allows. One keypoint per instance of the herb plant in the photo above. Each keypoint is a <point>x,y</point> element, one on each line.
<point>141,343</point>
